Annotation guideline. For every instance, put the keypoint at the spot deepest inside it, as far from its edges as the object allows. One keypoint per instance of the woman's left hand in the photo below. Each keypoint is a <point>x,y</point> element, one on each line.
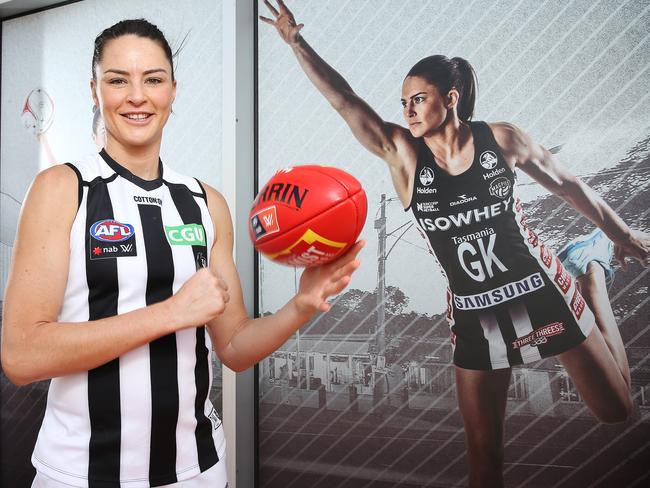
<point>284,22</point>
<point>318,283</point>
<point>637,246</point>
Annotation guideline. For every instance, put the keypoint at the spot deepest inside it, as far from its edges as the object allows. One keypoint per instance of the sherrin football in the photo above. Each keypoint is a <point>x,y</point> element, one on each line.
<point>307,215</point>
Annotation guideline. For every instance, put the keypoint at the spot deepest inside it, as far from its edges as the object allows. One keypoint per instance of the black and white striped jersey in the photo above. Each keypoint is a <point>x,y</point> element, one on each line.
<point>510,301</point>
<point>143,419</point>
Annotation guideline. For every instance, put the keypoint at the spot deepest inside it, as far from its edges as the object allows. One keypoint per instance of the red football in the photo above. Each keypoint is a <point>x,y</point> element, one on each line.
<point>307,215</point>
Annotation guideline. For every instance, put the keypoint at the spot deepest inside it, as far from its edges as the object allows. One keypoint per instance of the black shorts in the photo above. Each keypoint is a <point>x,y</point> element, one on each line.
<point>533,326</point>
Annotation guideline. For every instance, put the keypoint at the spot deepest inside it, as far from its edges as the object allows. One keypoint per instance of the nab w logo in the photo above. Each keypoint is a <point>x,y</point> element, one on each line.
<point>109,238</point>
<point>185,235</point>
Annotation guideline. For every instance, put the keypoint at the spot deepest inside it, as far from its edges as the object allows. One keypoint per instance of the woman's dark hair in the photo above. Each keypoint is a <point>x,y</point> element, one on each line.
<point>446,74</point>
<point>136,27</point>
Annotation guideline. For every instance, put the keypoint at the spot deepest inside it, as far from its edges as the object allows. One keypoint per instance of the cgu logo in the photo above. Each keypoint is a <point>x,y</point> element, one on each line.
<point>284,193</point>
<point>109,230</point>
<point>185,235</point>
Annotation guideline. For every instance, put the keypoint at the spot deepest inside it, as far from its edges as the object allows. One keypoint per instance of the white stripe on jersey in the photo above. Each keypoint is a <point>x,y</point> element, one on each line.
<point>135,373</point>
<point>492,333</point>
<point>523,327</point>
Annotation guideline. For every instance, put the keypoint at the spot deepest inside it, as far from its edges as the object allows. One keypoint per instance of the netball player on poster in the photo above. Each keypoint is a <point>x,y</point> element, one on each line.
<point>118,264</point>
<point>38,115</point>
<point>510,299</point>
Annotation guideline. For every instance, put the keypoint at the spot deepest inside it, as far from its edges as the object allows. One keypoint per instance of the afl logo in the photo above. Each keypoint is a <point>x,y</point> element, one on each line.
<point>488,159</point>
<point>109,230</point>
<point>426,176</point>
<point>500,187</point>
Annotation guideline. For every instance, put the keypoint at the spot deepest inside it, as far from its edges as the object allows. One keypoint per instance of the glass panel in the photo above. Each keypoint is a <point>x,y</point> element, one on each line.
<point>385,412</point>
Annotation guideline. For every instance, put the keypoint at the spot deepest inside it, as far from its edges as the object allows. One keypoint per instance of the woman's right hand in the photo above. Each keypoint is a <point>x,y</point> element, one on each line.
<point>284,22</point>
<point>201,298</point>
<point>635,246</point>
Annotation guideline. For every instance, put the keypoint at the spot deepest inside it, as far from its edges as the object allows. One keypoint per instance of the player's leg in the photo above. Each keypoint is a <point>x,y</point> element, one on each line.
<point>589,260</point>
<point>482,398</point>
<point>597,377</point>
<point>594,289</point>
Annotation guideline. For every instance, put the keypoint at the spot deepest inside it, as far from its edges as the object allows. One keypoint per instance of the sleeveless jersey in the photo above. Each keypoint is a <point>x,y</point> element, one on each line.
<point>143,419</point>
<point>502,279</point>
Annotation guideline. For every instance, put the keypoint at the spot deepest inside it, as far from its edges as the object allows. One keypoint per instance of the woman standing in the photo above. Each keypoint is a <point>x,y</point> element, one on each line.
<point>510,300</point>
<point>119,262</point>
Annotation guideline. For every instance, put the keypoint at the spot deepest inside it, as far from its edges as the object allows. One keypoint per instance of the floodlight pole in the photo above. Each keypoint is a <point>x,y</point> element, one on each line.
<point>380,225</point>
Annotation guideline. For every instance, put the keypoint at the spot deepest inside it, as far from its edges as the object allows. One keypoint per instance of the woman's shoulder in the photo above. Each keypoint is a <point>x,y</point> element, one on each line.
<point>219,211</point>
<point>57,178</point>
<point>216,200</point>
<point>510,138</point>
<point>406,145</point>
<point>506,132</point>
<point>174,177</point>
<point>54,192</point>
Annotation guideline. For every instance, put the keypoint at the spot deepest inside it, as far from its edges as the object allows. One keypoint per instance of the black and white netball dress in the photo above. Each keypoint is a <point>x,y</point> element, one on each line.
<point>510,301</point>
<point>143,419</point>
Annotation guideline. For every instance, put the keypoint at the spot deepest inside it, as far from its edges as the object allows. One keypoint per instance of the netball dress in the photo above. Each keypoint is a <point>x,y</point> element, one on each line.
<point>143,419</point>
<point>509,299</point>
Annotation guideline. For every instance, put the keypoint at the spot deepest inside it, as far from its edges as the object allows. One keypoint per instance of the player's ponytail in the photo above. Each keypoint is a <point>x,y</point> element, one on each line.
<point>467,89</point>
<point>446,74</point>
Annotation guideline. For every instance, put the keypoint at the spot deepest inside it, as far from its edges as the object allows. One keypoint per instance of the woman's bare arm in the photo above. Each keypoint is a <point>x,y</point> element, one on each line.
<point>376,135</point>
<point>35,345</point>
<point>521,151</point>
<point>241,341</point>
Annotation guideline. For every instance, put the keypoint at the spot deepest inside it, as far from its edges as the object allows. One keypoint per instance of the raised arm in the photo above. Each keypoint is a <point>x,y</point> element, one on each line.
<point>521,151</point>
<point>35,345</point>
<point>376,135</point>
<point>240,341</point>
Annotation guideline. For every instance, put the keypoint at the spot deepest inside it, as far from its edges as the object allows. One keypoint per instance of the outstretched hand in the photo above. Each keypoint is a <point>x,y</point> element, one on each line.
<point>636,247</point>
<point>319,283</point>
<point>284,22</point>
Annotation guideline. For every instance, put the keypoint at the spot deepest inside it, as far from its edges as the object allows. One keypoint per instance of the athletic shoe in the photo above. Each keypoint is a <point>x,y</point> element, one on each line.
<point>578,253</point>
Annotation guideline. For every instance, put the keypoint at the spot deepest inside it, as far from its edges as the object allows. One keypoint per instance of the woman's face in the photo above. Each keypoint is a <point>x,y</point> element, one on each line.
<point>425,109</point>
<point>134,90</point>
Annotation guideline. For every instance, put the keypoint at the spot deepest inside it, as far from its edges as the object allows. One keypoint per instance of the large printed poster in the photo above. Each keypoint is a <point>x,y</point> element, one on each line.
<point>48,118</point>
<point>365,395</point>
